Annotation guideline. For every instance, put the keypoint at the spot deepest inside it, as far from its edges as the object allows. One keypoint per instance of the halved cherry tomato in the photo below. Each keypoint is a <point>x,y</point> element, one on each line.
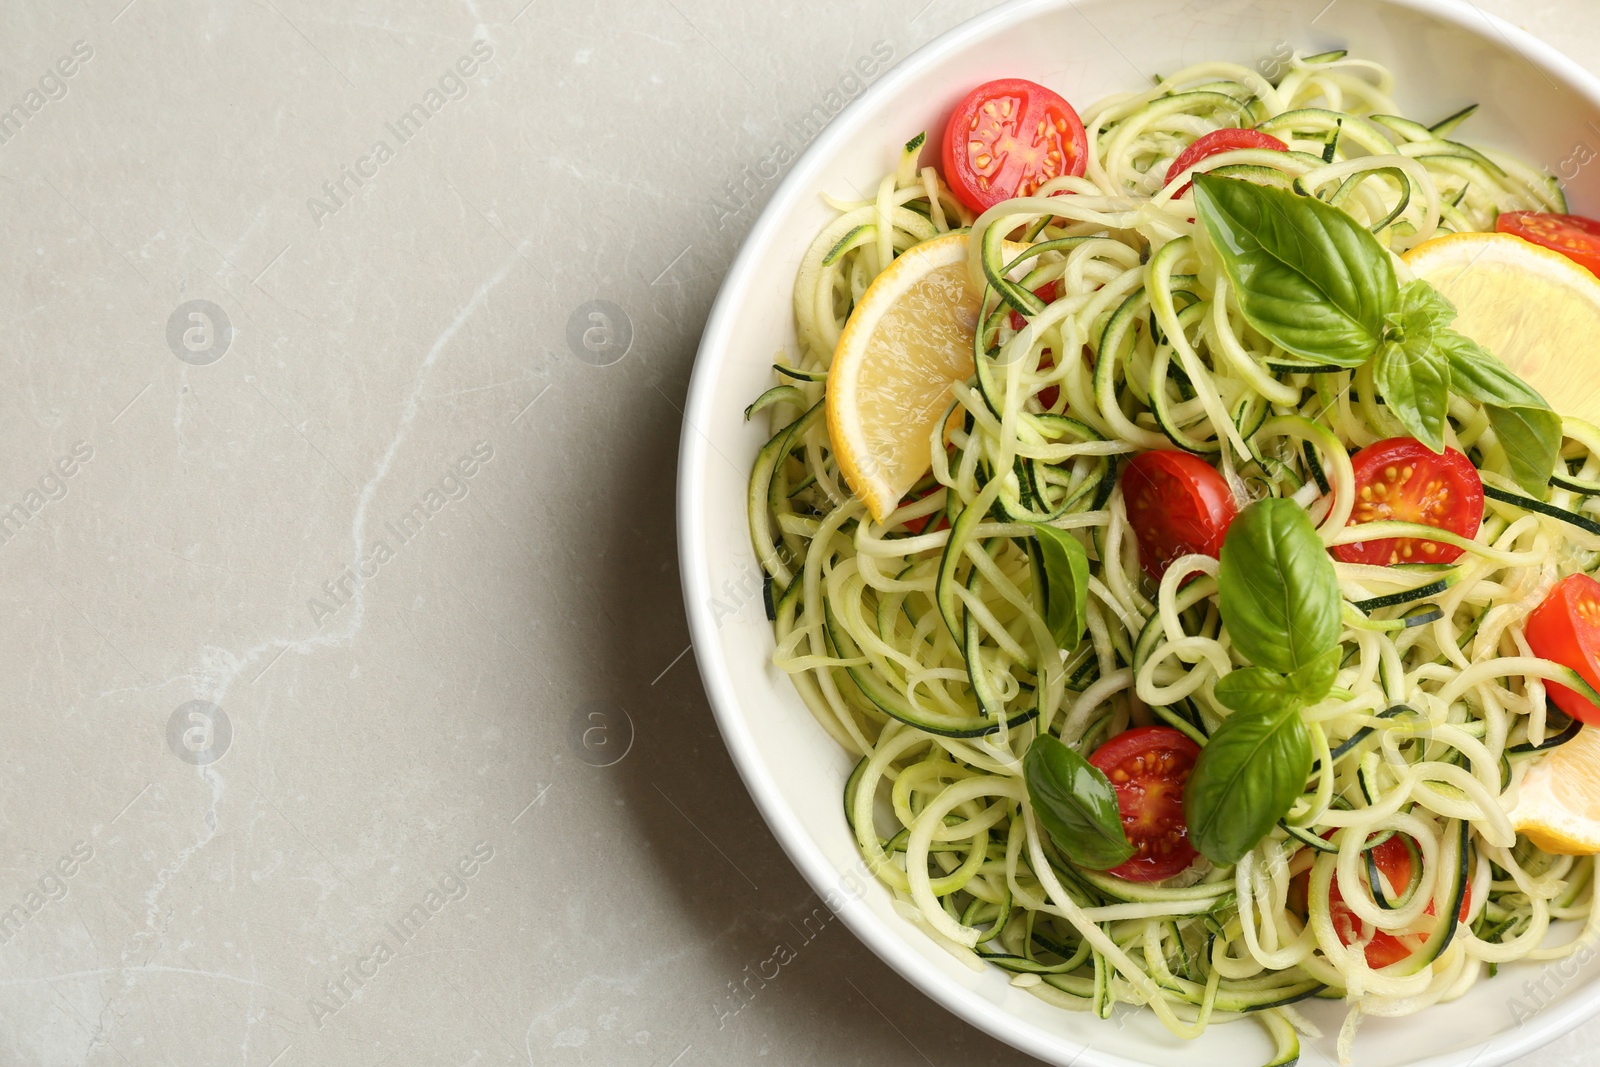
<point>940,519</point>
<point>1393,859</point>
<point>1215,142</point>
<point>1046,292</point>
<point>1573,236</point>
<point>1148,768</point>
<point>1007,138</point>
<point>1177,505</point>
<point>1565,629</point>
<point>917,526</point>
<point>1050,393</point>
<point>1401,479</point>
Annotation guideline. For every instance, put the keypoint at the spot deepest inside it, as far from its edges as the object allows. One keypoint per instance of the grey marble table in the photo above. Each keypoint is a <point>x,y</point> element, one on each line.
<point>347,716</point>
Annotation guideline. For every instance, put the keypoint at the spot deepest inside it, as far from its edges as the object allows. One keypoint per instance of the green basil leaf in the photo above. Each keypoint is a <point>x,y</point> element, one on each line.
<point>1412,371</point>
<point>1421,309</point>
<point>1532,440</point>
<point>1247,777</point>
<point>1256,690</point>
<point>1414,380</point>
<point>1277,588</point>
<point>1075,802</point>
<point>1523,423</point>
<point>1478,375</point>
<point>1314,681</point>
<point>1064,584</point>
<point>1307,276</point>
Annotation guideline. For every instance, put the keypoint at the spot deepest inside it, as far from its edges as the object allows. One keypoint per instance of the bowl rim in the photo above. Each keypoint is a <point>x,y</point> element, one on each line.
<point>695,450</point>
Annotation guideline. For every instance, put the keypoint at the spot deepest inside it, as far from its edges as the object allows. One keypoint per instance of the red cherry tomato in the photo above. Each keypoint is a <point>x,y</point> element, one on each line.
<point>1401,479</point>
<point>940,520</point>
<point>1216,142</point>
<point>1046,292</point>
<point>1573,236</point>
<point>1177,505</point>
<point>1148,768</point>
<point>1050,393</point>
<point>1009,137</point>
<point>917,526</point>
<point>1393,859</point>
<point>1565,629</point>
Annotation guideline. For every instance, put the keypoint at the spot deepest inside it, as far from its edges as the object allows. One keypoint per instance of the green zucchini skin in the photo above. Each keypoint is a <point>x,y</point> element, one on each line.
<point>1148,347</point>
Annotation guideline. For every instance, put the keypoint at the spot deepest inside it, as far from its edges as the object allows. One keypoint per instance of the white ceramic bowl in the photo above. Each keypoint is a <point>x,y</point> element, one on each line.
<point>1445,54</point>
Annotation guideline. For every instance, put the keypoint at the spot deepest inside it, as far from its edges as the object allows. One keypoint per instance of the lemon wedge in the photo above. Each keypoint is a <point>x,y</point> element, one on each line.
<point>1559,806</point>
<point>1535,309</point>
<point>907,341</point>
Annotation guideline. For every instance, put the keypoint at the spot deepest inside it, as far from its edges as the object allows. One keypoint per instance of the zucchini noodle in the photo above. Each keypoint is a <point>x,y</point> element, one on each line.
<point>919,645</point>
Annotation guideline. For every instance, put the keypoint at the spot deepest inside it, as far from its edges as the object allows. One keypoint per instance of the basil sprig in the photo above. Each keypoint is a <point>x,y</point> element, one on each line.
<point>1412,371</point>
<point>1313,281</point>
<point>1064,584</point>
<point>1074,800</point>
<point>1280,603</point>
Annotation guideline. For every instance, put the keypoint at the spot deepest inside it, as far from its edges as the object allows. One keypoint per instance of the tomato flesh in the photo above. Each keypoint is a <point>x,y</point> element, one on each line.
<point>1178,504</point>
<point>1216,142</point>
<point>1574,236</point>
<point>1148,767</point>
<point>1393,859</point>
<point>1565,629</point>
<point>919,525</point>
<point>1007,138</point>
<point>940,520</point>
<point>1046,293</point>
<point>1402,480</point>
<point>1050,393</point>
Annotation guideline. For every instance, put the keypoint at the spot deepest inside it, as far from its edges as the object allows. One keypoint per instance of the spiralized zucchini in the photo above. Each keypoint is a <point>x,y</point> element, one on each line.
<point>1435,714</point>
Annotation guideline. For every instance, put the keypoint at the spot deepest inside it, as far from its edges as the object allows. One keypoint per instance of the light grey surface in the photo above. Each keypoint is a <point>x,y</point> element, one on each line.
<point>511,679</point>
